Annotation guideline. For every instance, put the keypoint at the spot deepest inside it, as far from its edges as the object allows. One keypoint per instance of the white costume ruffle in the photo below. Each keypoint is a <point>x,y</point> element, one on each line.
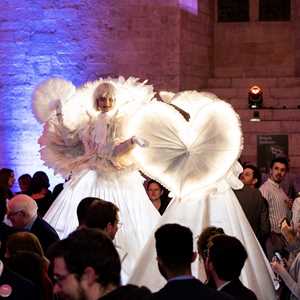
<point>87,144</point>
<point>200,168</point>
<point>212,208</point>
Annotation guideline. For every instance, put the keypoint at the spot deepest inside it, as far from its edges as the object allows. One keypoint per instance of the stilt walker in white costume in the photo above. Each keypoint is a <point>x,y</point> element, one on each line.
<point>85,136</point>
<point>196,161</point>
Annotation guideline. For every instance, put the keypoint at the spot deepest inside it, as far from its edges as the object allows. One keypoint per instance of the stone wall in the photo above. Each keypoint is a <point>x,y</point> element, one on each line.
<point>79,40</point>
<point>196,44</point>
<point>165,41</point>
<point>254,49</point>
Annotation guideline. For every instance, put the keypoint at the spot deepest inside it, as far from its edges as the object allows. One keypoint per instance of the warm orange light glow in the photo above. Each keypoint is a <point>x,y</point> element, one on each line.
<point>255,89</point>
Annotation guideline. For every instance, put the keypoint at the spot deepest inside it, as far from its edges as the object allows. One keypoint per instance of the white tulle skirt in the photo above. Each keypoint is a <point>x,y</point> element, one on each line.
<point>137,214</point>
<point>220,209</point>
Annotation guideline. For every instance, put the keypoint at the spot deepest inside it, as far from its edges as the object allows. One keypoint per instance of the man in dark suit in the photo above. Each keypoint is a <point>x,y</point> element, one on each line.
<point>174,246</point>
<point>255,208</point>
<point>223,265</point>
<point>253,204</point>
<point>22,212</point>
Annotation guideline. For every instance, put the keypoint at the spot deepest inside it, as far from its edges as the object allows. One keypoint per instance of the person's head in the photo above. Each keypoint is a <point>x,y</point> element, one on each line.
<point>204,237</point>
<point>24,182</point>
<point>86,265</point>
<point>40,181</point>
<point>251,176</point>
<point>103,215</point>
<point>7,178</point>
<point>174,248</point>
<point>226,257</point>
<point>154,190</point>
<point>23,241</point>
<point>83,207</point>
<point>105,97</point>
<point>278,168</point>
<point>21,210</point>
<point>30,265</point>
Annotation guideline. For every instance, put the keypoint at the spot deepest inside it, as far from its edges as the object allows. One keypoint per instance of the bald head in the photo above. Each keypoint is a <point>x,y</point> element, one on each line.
<point>21,210</point>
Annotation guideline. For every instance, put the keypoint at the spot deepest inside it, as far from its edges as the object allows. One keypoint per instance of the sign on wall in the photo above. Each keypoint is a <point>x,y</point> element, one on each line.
<point>269,147</point>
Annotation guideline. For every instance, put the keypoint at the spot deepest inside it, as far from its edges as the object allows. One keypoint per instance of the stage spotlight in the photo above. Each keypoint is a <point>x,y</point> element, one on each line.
<point>255,117</point>
<point>255,97</point>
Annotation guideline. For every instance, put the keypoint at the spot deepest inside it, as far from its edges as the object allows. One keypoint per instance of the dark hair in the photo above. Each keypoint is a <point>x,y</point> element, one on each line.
<point>227,255</point>
<point>25,178</point>
<point>256,174</point>
<point>204,237</point>
<point>100,213</point>
<point>153,181</point>
<point>26,241</point>
<point>39,181</point>
<point>174,246</point>
<point>88,247</point>
<point>3,209</point>
<point>31,266</point>
<point>282,160</point>
<point>4,177</point>
<point>83,207</point>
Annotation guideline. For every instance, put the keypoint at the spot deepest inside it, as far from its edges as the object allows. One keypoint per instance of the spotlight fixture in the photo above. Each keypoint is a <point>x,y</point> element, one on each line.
<point>255,117</point>
<point>255,97</point>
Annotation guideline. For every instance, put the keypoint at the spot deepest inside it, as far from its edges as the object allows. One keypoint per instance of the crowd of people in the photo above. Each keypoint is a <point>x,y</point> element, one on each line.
<point>106,227</point>
<point>35,263</point>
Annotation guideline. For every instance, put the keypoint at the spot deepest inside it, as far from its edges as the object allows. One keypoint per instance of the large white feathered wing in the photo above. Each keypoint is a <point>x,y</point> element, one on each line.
<point>188,156</point>
<point>47,95</point>
<point>59,142</point>
<point>61,145</point>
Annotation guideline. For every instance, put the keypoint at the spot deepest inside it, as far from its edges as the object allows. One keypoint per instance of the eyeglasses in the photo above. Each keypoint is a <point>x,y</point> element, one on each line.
<point>13,213</point>
<point>58,279</point>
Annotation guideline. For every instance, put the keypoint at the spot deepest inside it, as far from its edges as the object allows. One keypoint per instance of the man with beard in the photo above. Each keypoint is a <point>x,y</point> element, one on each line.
<point>86,266</point>
<point>253,204</point>
<point>279,204</point>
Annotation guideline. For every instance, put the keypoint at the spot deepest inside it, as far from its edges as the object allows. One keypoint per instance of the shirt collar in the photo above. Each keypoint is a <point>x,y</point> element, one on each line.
<point>29,226</point>
<point>1,268</point>
<point>182,277</point>
<point>223,285</point>
<point>274,183</point>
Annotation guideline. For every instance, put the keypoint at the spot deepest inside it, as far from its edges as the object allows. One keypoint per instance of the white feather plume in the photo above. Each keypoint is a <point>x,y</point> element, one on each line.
<point>47,94</point>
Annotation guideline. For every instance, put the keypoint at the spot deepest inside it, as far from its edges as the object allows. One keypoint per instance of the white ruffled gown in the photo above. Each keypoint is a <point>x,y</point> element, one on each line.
<point>98,173</point>
<point>217,207</point>
<point>196,160</point>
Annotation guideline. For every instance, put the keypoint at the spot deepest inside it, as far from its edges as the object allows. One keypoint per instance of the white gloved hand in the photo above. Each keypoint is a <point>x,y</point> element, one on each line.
<point>139,141</point>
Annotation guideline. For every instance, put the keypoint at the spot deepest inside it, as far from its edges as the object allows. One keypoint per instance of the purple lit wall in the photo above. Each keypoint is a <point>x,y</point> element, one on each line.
<point>81,40</point>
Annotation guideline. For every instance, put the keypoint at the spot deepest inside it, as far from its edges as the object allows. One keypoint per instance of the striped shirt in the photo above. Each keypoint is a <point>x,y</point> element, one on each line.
<point>276,198</point>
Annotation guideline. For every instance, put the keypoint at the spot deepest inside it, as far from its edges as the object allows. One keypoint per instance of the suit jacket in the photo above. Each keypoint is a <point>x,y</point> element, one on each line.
<point>22,289</point>
<point>188,289</point>
<point>238,290</point>
<point>256,210</point>
<point>45,233</point>
<point>128,292</point>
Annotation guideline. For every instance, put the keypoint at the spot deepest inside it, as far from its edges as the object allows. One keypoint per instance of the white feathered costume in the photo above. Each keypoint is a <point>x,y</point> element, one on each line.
<point>85,143</point>
<point>196,160</point>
